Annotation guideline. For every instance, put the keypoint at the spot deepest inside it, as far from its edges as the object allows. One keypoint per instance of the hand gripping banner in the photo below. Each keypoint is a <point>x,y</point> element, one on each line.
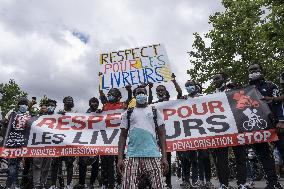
<point>233,118</point>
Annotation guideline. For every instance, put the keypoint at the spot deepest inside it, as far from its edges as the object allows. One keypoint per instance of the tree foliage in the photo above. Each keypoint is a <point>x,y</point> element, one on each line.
<point>11,93</point>
<point>246,32</point>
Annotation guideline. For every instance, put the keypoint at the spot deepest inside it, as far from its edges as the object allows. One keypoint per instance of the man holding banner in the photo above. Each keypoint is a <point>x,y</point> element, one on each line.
<point>279,110</point>
<point>221,154</point>
<point>93,161</point>
<point>112,102</point>
<point>17,128</point>
<point>143,156</point>
<point>69,160</point>
<point>41,165</point>
<point>162,96</point>
<point>267,89</point>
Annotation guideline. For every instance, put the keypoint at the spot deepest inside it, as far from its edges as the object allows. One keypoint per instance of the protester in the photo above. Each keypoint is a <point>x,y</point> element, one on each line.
<point>279,111</point>
<point>27,176</point>
<point>194,89</point>
<point>143,156</point>
<point>69,160</point>
<point>93,160</point>
<point>112,102</point>
<point>18,123</point>
<point>41,165</point>
<point>144,126</point>
<point>221,154</point>
<point>189,158</point>
<point>267,89</point>
<point>164,95</point>
<point>198,158</point>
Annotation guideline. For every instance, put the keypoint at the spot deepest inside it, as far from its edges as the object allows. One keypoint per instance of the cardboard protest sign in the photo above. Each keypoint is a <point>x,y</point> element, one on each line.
<point>133,66</point>
<point>217,120</point>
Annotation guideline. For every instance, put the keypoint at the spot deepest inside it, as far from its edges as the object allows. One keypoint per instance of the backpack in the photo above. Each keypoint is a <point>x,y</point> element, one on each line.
<point>130,110</point>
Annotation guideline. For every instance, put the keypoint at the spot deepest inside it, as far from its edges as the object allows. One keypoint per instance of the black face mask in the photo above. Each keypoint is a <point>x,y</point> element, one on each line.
<point>94,106</point>
<point>69,104</point>
<point>218,84</point>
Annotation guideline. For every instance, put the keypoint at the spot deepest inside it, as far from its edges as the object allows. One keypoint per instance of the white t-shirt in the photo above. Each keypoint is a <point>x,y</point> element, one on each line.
<point>142,132</point>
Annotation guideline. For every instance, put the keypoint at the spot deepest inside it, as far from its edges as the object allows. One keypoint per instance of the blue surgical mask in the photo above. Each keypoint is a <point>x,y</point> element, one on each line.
<point>50,109</point>
<point>190,89</point>
<point>141,99</point>
<point>111,98</point>
<point>23,108</point>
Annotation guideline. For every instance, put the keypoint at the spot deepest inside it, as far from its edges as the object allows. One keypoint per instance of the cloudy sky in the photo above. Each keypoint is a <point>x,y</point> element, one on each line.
<point>52,47</point>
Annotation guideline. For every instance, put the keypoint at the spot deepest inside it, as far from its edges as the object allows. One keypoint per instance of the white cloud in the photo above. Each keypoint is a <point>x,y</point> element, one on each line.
<point>39,51</point>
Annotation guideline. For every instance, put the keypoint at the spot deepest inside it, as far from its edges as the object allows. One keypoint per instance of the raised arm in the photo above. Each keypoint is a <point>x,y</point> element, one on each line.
<point>103,97</point>
<point>129,92</point>
<point>150,98</point>
<point>178,89</point>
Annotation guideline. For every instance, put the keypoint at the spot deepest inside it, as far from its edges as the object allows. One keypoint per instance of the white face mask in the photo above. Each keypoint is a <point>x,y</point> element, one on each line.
<point>255,76</point>
<point>50,109</point>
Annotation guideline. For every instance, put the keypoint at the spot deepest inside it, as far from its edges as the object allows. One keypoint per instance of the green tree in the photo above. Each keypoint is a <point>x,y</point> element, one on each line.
<point>11,93</point>
<point>43,100</point>
<point>246,32</point>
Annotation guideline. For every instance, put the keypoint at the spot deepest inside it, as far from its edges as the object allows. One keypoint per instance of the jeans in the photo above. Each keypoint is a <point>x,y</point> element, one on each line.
<point>13,172</point>
<point>27,179</point>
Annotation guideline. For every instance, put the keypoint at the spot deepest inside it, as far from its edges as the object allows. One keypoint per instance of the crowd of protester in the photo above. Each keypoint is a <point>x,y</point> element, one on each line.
<point>145,166</point>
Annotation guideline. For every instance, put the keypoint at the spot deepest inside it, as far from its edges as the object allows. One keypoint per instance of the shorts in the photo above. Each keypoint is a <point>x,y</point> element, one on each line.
<point>144,167</point>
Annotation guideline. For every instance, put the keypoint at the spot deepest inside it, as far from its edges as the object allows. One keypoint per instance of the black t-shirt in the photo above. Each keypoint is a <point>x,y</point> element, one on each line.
<point>269,89</point>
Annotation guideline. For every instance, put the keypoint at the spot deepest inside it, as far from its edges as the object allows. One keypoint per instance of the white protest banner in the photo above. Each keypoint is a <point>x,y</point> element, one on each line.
<point>218,120</point>
<point>72,134</point>
<point>133,66</point>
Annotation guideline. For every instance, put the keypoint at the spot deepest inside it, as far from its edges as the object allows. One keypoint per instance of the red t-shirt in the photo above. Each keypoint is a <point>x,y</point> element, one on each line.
<point>113,106</point>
